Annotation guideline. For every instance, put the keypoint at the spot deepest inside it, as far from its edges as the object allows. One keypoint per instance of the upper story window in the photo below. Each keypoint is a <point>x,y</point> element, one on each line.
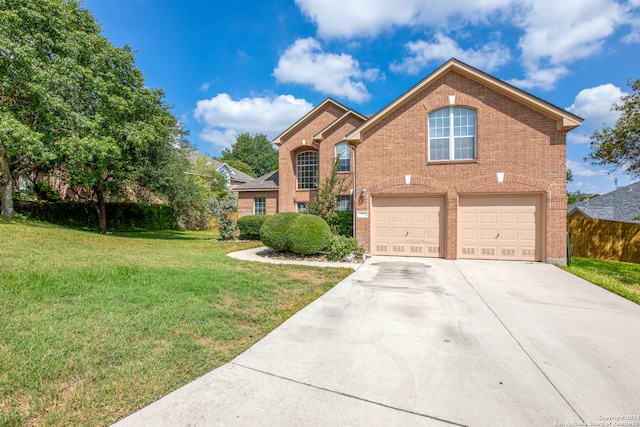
<point>452,134</point>
<point>307,170</point>
<point>343,157</point>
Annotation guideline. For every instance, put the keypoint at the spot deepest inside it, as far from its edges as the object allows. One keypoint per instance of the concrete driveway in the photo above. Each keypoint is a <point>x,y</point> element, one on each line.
<point>407,341</point>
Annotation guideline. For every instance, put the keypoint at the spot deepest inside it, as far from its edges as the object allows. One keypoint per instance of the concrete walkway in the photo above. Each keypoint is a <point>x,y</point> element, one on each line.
<point>430,342</point>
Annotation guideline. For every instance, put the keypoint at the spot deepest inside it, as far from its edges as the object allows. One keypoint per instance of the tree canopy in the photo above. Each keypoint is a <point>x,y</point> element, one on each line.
<point>40,43</point>
<point>256,151</point>
<point>72,99</point>
<point>619,146</point>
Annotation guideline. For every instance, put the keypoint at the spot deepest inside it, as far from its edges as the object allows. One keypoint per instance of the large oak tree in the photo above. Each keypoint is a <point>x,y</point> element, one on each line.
<point>255,150</point>
<point>71,98</point>
<point>619,146</point>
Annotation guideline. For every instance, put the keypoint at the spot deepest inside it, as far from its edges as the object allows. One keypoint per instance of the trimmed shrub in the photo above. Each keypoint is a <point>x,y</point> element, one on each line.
<point>341,222</point>
<point>274,231</point>
<point>344,248</point>
<point>250,225</point>
<point>308,234</point>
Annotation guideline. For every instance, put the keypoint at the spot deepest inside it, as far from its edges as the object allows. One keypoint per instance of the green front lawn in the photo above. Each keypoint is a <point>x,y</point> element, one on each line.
<point>93,327</point>
<point>622,278</point>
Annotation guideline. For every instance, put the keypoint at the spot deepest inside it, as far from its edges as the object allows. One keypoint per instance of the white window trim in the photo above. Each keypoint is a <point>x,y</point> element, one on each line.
<point>452,138</point>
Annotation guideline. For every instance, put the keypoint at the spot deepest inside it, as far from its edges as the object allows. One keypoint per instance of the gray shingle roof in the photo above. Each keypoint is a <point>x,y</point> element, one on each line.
<point>265,182</point>
<point>622,205</point>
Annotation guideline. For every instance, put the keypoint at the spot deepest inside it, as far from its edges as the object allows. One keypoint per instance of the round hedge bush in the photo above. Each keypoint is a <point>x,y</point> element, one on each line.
<point>250,225</point>
<point>275,230</point>
<point>308,234</point>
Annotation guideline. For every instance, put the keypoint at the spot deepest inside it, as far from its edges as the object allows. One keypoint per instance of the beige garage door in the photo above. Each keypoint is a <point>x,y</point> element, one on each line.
<point>407,226</point>
<point>506,227</point>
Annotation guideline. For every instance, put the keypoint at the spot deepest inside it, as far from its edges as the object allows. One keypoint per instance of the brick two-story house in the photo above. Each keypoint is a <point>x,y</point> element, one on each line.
<point>463,165</point>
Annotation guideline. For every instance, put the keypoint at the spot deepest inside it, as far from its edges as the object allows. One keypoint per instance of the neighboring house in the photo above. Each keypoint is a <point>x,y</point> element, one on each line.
<point>621,205</point>
<point>234,176</point>
<point>463,165</point>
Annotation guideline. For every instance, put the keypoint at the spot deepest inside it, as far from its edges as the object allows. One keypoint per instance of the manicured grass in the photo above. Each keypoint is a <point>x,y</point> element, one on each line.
<point>93,327</point>
<point>622,278</point>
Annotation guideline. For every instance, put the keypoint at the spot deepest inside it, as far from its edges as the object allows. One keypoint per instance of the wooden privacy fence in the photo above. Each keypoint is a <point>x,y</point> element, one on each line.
<point>602,239</point>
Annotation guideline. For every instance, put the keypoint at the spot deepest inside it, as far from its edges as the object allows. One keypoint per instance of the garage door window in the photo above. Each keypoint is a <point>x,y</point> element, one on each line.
<point>452,134</point>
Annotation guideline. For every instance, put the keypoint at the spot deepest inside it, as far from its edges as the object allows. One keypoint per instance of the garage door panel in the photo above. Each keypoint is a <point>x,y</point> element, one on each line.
<point>528,235</point>
<point>508,217</point>
<point>414,226</point>
<point>488,217</point>
<point>417,233</point>
<point>398,232</point>
<point>397,217</point>
<point>506,227</point>
<point>385,217</point>
<point>487,234</point>
<point>417,217</point>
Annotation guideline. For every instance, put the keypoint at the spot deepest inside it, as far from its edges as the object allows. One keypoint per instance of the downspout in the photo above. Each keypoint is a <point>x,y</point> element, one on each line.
<point>355,190</point>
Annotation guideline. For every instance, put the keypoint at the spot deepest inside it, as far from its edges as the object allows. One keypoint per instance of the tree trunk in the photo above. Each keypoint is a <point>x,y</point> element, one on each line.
<point>102,212</point>
<point>7,198</point>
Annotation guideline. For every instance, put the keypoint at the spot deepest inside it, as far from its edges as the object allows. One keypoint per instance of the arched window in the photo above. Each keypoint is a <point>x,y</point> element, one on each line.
<point>452,134</point>
<point>307,170</point>
<point>343,156</point>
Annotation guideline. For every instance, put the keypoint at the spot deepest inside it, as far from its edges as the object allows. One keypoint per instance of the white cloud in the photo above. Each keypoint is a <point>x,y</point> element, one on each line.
<point>633,37</point>
<point>219,138</point>
<point>491,56</point>
<point>554,33</point>
<point>204,87</point>
<point>545,78</point>
<point>224,117</point>
<point>582,169</point>
<point>594,105</point>
<point>306,63</point>
<point>578,138</point>
<point>357,18</point>
<point>564,31</point>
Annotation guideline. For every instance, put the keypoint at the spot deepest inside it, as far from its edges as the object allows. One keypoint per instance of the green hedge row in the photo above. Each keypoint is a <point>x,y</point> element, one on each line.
<point>120,216</point>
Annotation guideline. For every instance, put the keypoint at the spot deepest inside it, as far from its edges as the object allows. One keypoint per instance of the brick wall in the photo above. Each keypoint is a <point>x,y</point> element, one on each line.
<point>292,145</point>
<point>245,202</point>
<point>511,138</point>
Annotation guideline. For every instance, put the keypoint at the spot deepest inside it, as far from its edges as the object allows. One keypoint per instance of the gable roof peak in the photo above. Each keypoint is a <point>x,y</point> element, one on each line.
<point>566,120</point>
<point>327,101</point>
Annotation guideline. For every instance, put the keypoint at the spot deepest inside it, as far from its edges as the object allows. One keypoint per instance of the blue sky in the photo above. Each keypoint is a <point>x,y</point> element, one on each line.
<point>259,65</point>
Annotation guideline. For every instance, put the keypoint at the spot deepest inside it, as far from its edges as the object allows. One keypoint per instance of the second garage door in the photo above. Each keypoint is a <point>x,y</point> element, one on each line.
<point>407,226</point>
<point>505,227</point>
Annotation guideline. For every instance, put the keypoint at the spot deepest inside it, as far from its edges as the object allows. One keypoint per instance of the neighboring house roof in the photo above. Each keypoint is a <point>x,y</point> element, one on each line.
<point>566,121</point>
<point>622,205</point>
<point>278,139</point>
<point>233,173</point>
<point>268,182</point>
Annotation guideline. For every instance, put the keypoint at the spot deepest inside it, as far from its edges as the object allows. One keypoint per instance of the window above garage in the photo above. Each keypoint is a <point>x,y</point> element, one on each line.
<point>452,134</point>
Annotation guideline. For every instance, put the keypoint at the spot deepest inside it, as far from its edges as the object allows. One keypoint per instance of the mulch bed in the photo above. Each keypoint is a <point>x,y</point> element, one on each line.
<point>290,256</point>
